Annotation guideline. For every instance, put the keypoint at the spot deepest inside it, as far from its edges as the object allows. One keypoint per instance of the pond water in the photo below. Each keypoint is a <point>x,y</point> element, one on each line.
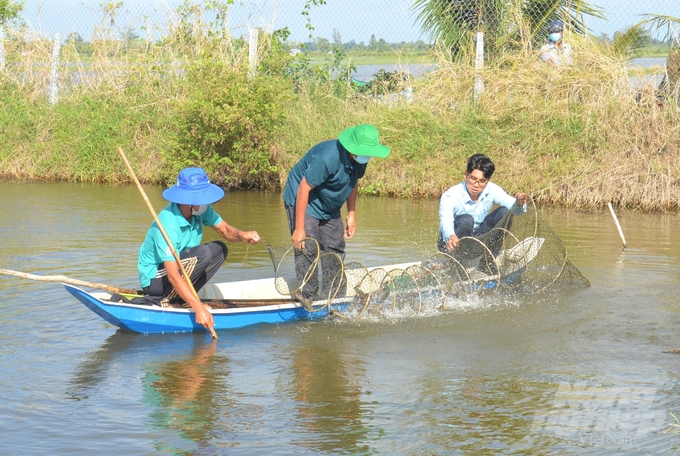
<point>576,371</point>
<point>368,72</point>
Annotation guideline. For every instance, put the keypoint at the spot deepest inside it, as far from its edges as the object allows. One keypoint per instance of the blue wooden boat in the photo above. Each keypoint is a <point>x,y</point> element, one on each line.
<point>155,319</point>
<point>259,301</point>
<point>250,302</point>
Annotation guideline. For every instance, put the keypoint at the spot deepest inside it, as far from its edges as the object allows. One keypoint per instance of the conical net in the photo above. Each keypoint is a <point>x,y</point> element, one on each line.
<point>520,254</point>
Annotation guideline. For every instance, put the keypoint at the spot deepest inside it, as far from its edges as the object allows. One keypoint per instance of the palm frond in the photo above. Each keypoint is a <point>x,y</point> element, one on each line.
<point>506,24</point>
<point>659,22</point>
<point>631,40</point>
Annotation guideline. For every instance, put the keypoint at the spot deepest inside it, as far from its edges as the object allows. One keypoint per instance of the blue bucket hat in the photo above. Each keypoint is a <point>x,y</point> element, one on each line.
<point>193,187</point>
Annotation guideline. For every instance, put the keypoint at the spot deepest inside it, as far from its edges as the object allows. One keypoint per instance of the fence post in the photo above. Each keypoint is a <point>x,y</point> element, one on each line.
<point>252,51</point>
<point>53,89</point>
<point>408,94</point>
<point>479,64</point>
<point>2,50</point>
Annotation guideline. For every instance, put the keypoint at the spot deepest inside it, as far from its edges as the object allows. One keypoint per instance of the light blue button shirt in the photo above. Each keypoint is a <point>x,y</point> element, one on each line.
<point>456,201</point>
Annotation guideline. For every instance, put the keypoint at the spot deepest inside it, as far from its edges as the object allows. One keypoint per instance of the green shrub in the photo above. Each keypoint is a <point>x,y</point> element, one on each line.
<point>228,122</point>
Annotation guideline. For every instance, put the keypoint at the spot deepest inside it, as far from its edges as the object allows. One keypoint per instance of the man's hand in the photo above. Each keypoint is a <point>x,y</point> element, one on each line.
<point>351,226</point>
<point>522,198</point>
<point>233,234</point>
<point>453,242</point>
<point>299,235</point>
<point>181,286</point>
<point>250,237</point>
<point>203,317</point>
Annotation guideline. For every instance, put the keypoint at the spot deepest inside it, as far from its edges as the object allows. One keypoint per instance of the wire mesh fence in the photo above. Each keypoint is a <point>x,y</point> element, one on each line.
<point>376,24</point>
<point>381,34</point>
<point>319,25</point>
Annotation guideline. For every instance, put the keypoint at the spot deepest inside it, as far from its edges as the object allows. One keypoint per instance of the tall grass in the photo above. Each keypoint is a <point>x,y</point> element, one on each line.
<point>579,136</point>
<point>583,136</point>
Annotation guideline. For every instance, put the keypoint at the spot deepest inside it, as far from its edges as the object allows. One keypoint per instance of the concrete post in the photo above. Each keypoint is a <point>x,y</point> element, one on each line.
<point>53,89</point>
<point>479,65</point>
<point>2,50</point>
<point>252,51</point>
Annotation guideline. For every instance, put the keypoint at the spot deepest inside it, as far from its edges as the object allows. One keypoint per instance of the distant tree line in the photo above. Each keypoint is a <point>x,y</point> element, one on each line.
<point>320,44</point>
<point>646,40</point>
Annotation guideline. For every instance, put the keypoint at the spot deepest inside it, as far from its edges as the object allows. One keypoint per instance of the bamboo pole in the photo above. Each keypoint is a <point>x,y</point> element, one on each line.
<point>618,226</point>
<point>64,279</point>
<point>165,235</point>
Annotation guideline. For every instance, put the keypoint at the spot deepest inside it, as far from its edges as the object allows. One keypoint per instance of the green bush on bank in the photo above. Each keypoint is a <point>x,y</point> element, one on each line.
<point>228,121</point>
<point>575,136</point>
<point>77,138</point>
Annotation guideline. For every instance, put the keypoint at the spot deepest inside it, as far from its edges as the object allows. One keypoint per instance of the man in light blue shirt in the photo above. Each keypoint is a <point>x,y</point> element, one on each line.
<point>556,52</point>
<point>464,208</point>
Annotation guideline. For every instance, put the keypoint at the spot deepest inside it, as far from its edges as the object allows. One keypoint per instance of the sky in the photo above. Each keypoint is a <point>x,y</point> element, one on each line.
<point>357,20</point>
<point>624,13</point>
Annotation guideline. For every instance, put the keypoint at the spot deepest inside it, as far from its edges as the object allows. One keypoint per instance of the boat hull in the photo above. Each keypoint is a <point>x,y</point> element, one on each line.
<point>157,320</point>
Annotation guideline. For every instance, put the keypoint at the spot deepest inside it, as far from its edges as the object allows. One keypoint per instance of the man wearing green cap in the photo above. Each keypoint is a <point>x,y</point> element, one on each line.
<point>324,179</point>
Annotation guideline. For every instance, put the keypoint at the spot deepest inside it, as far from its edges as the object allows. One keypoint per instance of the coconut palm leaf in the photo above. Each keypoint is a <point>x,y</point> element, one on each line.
<point>658,22</point>
<point>506,24</point>
<point>540,13</point>
<point>454,22</point>
<point>631,40</point>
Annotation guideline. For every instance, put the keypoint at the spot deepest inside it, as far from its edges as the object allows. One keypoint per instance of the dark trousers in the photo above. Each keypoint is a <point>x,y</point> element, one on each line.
<point>209,258</point>
<point>464,227</point>
<point>330,234</point>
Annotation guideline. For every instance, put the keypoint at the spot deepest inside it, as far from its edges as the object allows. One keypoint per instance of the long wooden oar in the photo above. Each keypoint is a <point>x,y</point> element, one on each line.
<point>165,235</point>
<point>64,279</point>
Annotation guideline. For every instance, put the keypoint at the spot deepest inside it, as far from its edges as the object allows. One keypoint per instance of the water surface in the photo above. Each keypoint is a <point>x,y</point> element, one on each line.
<point>579,371</point>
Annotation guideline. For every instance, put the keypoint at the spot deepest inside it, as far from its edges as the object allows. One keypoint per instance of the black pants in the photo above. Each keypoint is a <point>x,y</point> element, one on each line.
<point>464,226</point>
<point>330,234</point>
<point>209,258</point>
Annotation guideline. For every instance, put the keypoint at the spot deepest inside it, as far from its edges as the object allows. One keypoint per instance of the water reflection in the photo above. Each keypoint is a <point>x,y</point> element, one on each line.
<point>485,412</point>
<point>182,392</point>
<point>326,386</point>
<point>95,368</point>
<point>182,380</point>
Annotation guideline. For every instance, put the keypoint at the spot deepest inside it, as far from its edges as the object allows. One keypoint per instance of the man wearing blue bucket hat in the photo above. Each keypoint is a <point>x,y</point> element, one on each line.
<point>183,219</point>
<point>324,179</point>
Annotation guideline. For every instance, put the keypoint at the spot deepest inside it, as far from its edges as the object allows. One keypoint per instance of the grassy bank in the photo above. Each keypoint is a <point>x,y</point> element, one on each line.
<point>579,137</point>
